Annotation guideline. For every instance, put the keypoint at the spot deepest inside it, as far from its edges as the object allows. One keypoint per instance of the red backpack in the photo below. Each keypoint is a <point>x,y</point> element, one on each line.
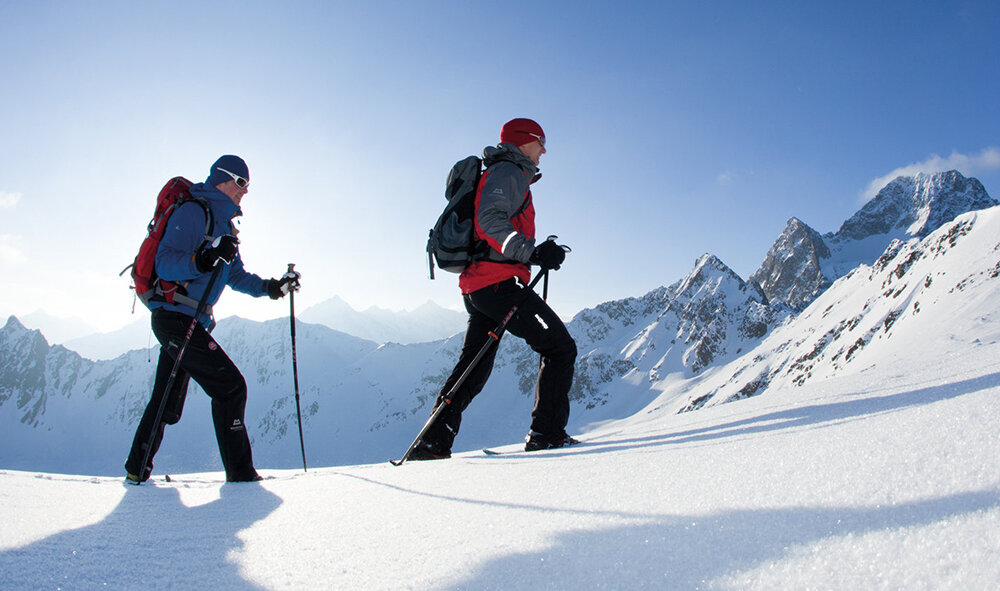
<point>148,287</point>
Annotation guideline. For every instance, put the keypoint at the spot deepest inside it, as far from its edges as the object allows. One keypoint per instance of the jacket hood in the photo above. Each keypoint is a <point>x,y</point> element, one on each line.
<point>508,153</point>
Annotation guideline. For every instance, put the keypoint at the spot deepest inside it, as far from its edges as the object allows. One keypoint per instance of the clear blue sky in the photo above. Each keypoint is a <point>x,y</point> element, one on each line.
<point>674,129</point>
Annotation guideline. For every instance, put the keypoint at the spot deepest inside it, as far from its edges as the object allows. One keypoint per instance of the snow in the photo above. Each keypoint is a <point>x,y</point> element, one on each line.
<point>887,478</point>
<point>869,462</point>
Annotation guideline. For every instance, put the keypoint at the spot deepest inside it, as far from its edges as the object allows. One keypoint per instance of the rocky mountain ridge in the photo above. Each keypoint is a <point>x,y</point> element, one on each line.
<point>802,263</point>
<point>362,400</point>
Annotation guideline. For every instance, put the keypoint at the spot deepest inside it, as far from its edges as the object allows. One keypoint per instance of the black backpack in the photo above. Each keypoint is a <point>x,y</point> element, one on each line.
<point>452,242</point>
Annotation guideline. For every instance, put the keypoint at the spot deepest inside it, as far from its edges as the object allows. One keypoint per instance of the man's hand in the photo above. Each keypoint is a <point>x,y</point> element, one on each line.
<point>279,288</point>
<point>223,249</point>
<point>548,255</point>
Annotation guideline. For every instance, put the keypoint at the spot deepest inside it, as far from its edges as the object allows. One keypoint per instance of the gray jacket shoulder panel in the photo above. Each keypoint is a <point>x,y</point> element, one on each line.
<point>504,195</point>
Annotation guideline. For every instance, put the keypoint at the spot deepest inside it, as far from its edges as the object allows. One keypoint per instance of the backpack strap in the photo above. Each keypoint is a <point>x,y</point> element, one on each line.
<point>209,220</point>
<point>175,292</point>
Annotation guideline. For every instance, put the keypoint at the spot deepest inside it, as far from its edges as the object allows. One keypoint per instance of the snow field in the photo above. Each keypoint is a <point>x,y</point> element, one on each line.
<point>878,480</point>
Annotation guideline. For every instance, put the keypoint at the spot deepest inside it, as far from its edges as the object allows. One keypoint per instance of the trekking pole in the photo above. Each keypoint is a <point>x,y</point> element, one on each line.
<point>494,338</point>
<point>177,366</point>
<point>295,367</point>
<point>545,298</point>
<point>545,284</point>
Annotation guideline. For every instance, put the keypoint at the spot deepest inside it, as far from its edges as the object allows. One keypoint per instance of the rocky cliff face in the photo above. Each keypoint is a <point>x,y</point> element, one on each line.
<point>792,273</point>
<point>802,264</point>
<point>916,206</point>
<point>709,316</point>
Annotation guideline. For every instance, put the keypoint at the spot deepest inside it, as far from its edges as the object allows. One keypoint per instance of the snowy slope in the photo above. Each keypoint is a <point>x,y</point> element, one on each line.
<point>936,290</point>
<point>883,479</point>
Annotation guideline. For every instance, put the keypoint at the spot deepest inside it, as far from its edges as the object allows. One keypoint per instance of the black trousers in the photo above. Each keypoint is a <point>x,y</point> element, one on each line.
<point>541,329</point>
<point>206,362</point>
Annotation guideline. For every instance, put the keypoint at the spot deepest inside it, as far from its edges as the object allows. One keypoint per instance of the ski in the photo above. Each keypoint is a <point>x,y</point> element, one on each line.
<point>189,481</point>
<point>497,452</point>
<point>172,480</point>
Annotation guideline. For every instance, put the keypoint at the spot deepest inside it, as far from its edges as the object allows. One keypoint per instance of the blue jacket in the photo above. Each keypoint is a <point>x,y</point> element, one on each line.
<point>175,258</point>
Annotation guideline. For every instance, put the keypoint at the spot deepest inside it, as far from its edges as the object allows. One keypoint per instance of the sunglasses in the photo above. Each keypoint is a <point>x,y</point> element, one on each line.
<point>240,181</point>
<point>540,138</point>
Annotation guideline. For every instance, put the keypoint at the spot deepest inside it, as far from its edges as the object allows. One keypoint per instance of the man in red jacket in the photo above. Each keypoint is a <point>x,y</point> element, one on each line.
<point>494,284</point>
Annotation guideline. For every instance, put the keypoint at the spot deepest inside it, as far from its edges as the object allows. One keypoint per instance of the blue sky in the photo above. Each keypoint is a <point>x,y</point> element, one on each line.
<point>674,129</point>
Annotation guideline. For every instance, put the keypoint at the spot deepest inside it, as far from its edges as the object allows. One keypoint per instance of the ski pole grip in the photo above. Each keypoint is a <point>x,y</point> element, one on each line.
<point>553,238</point>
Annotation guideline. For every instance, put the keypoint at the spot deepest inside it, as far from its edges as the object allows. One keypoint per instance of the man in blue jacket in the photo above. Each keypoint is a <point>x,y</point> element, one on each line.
<point>187,257</point>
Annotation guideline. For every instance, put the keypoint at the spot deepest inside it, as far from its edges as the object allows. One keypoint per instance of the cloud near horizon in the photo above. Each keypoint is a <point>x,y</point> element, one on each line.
<point>986,160</point>
<point>8,200</point>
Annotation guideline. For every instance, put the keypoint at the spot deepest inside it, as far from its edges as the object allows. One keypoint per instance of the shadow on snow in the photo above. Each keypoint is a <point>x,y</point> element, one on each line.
<point>151,539</point>
<point>689,552</point>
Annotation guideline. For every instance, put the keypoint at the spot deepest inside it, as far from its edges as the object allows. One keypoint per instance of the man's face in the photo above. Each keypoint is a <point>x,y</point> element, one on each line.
<point>534,151</point>
<point>232,191</point>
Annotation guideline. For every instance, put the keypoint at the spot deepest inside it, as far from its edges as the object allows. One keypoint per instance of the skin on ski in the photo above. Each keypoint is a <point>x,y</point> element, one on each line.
<point>170,479</point>
<point>167,479</point>
<point>497,452</point>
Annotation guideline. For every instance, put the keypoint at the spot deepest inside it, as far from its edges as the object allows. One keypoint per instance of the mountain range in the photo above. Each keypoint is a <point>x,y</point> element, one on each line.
<point>802,263</point>
<point>812,310</point>
<point>429,322</point>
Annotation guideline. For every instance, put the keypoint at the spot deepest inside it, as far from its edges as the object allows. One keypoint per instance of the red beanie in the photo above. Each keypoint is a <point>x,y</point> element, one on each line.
<point>520,132</point>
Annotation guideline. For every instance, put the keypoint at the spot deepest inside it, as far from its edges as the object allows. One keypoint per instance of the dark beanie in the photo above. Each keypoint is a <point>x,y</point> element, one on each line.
<point>519,132</point>
<point>233,164</point>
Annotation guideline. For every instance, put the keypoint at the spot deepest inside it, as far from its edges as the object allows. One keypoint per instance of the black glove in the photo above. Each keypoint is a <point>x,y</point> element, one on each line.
<point>278,288</point>
<point>224,248</point>
<point>548,255</point>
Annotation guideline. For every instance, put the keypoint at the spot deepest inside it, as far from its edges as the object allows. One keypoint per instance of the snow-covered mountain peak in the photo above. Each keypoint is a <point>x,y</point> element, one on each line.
<point>791,274</point>
<point>14,326</point>
<point>916,290</point>
<point>915,206</point>
<point>709,276</point>
<point>802,264</point>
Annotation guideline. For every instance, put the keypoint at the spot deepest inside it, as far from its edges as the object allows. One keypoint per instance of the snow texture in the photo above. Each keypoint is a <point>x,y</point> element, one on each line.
<point>884,479</point>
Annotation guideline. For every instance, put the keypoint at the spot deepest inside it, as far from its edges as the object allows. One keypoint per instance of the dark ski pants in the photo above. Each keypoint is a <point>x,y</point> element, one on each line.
<point>206,362</point>
<point>541,329</point>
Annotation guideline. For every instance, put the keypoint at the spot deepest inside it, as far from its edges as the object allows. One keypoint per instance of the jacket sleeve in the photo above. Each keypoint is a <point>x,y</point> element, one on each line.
<point>244,281</point>
<point>185,233</point>
<point>499,200</point>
